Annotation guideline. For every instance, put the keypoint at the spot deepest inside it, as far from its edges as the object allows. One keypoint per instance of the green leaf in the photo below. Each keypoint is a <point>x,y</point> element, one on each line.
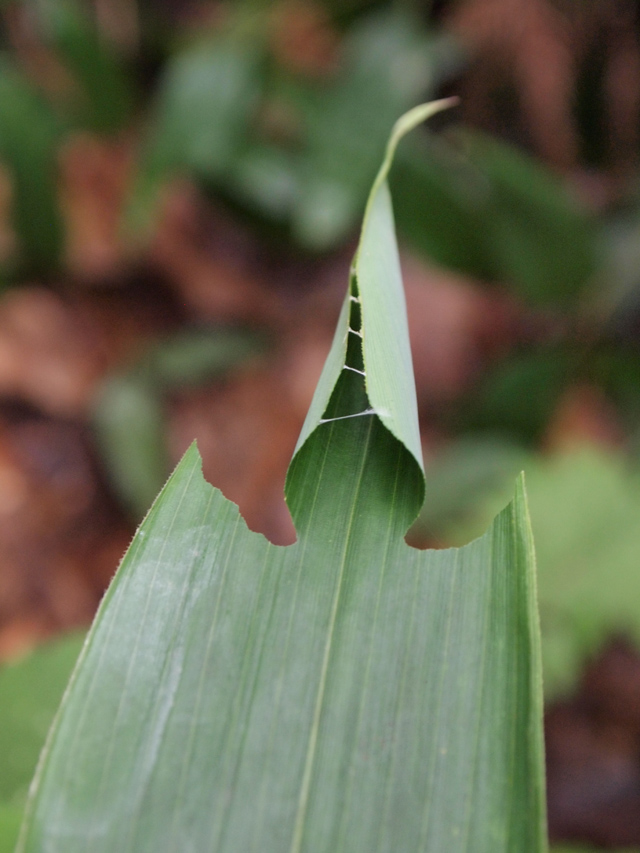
<point>441,207</point>
<point>29,140</point>
<point>468,483</point>
<point>346,693</point>
<point>129,409</point>
<point>204,102</point>
<point>388,63</point>
<point>545,243</point>
<point>518,395</point>
<point>483,207</point>
<point>584,509</point>
<point>206,97</point>
<point>10,820</point>
<point>102,97</point>
<point>30,692</point>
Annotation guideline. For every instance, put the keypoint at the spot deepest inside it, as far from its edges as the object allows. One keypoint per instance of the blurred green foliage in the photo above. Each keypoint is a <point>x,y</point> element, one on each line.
<point>10,820</point>
<point>35,120</point>
<point>128,412</point>
<point>477,205</point>
<point>30,692</point>
<point>517,397</point>
<point>295,149</point>
<point>585,511</point>
<point>30,134</point>
<point>103,97</point>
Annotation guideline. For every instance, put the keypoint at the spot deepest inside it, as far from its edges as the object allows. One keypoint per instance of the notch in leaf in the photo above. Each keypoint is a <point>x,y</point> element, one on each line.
<point>346,693</point>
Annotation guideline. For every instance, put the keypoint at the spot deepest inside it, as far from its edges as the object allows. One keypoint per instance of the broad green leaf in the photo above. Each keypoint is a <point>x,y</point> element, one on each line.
<point>346,693</point>
<point>615,368</point>
<point>441,207</point>
<point>542,239</point>
<point>30,692</point>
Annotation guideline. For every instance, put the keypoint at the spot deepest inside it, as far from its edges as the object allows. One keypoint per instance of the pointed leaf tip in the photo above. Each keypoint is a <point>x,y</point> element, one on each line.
<point>405,124</point>
<point>378,293</point>
<point>385,333</point>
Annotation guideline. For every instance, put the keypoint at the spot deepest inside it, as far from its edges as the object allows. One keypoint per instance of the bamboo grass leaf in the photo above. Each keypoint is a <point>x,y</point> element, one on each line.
<point>341,695</point>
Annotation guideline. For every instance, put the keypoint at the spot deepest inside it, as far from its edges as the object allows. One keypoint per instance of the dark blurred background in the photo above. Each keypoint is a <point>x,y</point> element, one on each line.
<point>181,187</point>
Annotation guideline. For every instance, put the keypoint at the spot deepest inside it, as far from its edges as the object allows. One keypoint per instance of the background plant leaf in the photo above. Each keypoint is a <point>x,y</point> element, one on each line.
<point>584,508</point>
<point>478,205</point>
<point>204,103</point>
<point>30,692</point>
<point>129,409</point>
<point>30,135</point>
<point>104,93</point>
<point>387,64</point>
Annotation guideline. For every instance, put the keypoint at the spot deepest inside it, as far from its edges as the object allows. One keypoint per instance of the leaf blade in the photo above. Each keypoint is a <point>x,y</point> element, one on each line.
<point>235,695</point>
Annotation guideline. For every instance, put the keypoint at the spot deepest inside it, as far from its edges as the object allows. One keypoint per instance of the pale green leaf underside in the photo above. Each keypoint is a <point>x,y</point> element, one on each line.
<point>341,695</point>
